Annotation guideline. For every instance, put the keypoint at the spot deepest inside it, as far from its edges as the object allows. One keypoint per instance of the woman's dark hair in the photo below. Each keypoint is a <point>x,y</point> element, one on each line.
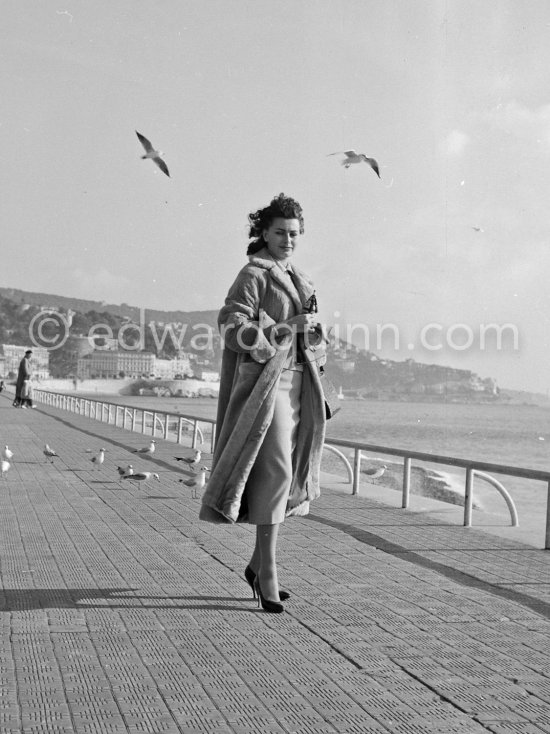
<point>281,206</point>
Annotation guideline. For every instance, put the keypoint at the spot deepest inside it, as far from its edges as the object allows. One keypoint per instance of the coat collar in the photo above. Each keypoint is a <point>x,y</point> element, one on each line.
<point>299,287</point>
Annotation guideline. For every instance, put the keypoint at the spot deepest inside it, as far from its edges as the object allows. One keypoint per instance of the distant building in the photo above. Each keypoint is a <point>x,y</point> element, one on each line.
<point>104,364</point>
<point>346,365</point>
<point>13,354</point>
<point>207,375</point>
<point>167,369</point>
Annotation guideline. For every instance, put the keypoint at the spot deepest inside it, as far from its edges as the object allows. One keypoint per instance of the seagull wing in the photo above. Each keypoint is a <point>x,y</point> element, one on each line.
<point>162,165</point>
<point>374,165</point>
<point>344,152</point>
<point>146,144</point>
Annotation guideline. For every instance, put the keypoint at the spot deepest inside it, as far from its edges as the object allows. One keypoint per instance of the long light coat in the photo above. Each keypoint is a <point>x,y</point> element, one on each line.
<point>261,296</point>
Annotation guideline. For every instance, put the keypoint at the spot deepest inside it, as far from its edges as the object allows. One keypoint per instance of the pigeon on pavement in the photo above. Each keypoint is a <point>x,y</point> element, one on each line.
<point>128,470</point>
<point>141,476</point>
<point>191,461</point>
<point>99,459</point>
<point>196,484</point>
<point>148,451</point>
<point>49,453</point>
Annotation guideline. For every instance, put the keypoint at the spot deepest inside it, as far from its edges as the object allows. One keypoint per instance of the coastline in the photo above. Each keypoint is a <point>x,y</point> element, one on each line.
<point>516,435</point>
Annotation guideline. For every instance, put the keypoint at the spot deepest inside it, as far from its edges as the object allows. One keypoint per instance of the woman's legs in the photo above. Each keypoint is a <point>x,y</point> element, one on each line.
<point>265,553</point>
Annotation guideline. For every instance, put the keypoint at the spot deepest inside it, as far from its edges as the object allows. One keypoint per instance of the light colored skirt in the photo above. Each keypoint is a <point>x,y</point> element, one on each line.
<point>269,481</point>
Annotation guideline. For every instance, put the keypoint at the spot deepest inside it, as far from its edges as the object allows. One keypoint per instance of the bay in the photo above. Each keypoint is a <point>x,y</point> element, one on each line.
<point>512,435</point>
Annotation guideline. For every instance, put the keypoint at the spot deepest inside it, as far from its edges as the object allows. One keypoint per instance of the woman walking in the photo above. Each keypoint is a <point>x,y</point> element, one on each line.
<point>271,411</point>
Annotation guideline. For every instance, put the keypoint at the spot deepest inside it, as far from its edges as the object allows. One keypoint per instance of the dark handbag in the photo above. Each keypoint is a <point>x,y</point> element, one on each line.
<point>332,401</point>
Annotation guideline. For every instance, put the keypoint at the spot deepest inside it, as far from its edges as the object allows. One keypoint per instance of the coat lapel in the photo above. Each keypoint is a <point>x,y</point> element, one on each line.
<point>298,286</point>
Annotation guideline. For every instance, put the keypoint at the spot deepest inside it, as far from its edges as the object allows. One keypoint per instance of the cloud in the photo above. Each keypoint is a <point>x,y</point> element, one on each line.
<point>454,144</point>
<point>530,124</point>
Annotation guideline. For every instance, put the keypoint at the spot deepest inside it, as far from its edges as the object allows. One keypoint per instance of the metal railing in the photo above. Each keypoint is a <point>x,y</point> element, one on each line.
<point>473,469</point>
<point>171,426</point>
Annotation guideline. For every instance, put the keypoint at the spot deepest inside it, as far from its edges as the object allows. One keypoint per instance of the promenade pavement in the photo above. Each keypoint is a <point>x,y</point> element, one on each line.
<point>121,612</point>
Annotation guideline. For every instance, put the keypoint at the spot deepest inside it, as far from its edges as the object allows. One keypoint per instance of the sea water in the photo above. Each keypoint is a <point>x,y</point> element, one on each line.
<point>513,435</point>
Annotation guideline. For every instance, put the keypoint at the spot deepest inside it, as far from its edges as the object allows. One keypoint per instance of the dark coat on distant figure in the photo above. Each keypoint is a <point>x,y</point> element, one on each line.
<point>23,374</point>
<point>261,296</point>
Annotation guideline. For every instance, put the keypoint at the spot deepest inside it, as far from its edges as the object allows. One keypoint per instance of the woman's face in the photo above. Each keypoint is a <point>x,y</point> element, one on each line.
<point>281,237</point>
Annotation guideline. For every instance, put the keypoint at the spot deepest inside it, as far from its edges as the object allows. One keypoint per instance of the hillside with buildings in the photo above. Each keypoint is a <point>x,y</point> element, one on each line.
<point>106,342</point>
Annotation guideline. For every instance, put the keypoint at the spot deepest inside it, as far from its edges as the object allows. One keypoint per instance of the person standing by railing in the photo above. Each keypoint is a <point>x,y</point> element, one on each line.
<point>23,388</point>
<point>271,411</point>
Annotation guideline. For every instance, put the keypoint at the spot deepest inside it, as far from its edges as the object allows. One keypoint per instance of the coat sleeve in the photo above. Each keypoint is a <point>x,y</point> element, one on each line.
<point>241,319</point>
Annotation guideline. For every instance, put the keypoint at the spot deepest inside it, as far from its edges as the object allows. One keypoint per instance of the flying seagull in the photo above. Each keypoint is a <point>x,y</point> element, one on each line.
<point>154,155</point>
<point>353,157</point>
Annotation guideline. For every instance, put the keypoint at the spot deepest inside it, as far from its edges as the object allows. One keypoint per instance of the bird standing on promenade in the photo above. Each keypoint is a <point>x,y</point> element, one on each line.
<point>154,155</point>
<point>141,476</point>
<point>7,454</point>
<point>149,451</point>
<point>99,459</point>
<point>353,157</point>
<point>196,484</point>
<point>191,461</point>
<point>5,467</point>
<point>375,472</point>
<point>122,471</point>
<point>49,453</point>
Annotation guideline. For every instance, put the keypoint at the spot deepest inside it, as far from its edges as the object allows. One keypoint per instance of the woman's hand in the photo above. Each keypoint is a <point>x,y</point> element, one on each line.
<point>304,322</point>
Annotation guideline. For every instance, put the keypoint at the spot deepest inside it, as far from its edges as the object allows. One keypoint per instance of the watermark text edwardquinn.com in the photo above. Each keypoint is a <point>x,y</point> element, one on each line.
<point>51,329</point>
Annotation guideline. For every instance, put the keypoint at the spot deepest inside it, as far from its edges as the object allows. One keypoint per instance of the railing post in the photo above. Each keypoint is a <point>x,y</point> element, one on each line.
<point>406,482</point>
<point>547,538</point>
<point>133,422</point>
<point>166,425</point>
<point>468,497</point>
<point>195,434</point>
<point>180,430</point>
<point>213,438</point>
<point>356,471</point>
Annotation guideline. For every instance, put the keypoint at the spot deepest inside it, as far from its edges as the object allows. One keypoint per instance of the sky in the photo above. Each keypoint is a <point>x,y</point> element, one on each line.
<point>247,99</point>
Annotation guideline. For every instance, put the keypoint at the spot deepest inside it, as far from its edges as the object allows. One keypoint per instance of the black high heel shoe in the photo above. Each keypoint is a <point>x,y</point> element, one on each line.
<point>250,577</point>
<point>274,607</point>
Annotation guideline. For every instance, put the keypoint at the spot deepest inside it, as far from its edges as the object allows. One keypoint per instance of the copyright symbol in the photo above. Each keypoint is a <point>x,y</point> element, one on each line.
<point>49,329</point>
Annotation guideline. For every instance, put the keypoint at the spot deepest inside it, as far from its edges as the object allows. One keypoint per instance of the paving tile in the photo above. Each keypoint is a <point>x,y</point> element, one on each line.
<point>121,612</point>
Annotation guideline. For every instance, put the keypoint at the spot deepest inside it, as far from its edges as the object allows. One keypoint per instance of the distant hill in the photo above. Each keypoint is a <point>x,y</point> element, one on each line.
<point>358,372</point>
<point>123,310</point>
